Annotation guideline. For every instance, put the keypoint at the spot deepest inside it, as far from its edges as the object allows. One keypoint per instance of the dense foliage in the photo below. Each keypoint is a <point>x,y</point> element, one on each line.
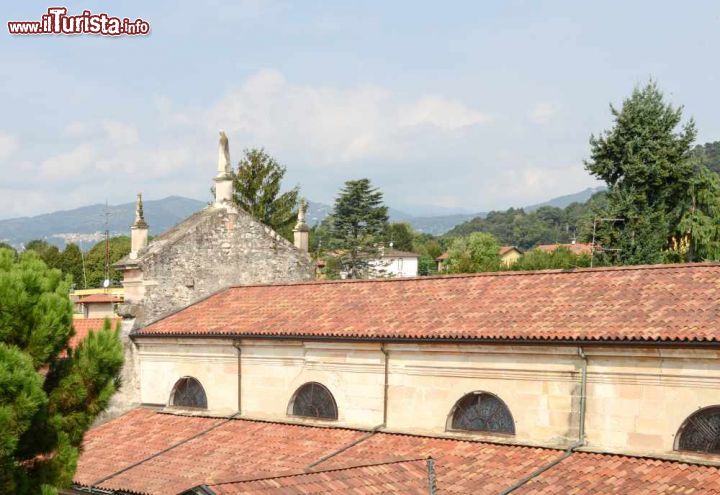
<point>546,225</point>
<point>70,260</point>
<point>667,199</point>
<point>478,252</point>
<point>256,189</point>
<point>49,394</point>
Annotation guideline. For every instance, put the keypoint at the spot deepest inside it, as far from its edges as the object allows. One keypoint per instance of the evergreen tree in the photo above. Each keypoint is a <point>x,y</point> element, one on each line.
<point>359,222</point>
<point>478,252</point>
<point>49,394</point>
<point>662,193</point>
<point>256,189</point>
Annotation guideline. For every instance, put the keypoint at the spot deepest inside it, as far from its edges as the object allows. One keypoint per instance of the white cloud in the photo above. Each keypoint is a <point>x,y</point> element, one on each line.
<point>68,165</point>
<point>120,133</point>
<point>542,113</point>
<point>330,125</point>
<point>8,145</point>
<point>442,113</point>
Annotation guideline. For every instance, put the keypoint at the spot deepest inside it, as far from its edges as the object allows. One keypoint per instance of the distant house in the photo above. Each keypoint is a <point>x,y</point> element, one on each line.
<point>575,247</point>
<point>508,256</point>
<point>98,305</point>
<point>394,263</point>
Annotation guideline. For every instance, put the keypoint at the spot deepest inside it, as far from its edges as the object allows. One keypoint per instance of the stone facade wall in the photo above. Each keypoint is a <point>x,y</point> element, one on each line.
<point>221,248</point>
<point>636,398</point>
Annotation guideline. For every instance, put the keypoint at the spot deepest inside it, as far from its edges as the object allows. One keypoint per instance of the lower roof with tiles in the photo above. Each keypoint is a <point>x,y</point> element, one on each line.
<point>148,452</point>
<point>668,303</point>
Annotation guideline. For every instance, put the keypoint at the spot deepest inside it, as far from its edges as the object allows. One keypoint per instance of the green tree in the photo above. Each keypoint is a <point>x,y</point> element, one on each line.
<point>71,262</point>
<point>559,258</point>
<point>47,252</point>
<point>118,247</point>
<point>44,414</point>
<point>656,185</point>
<point>359,222</point>
<point>478,252</point>
<point>5,245</point>
<point>256,189</point>
<point>401,236</point>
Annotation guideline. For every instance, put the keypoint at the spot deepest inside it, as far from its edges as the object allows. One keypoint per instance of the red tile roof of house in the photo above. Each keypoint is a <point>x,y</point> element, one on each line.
<point>640,303</point>
<point>506,249</point>
<point>402,477</point>
<point>83,326</point>
<point>577,248</point>
<point>100,298</point>
<point>148,452</point>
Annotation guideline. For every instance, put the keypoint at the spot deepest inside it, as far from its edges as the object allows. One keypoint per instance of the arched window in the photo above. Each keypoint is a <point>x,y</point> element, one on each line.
<point>701,432</point>
<point>482,411</point>
<point>188,392</point>
<point>313,400</point>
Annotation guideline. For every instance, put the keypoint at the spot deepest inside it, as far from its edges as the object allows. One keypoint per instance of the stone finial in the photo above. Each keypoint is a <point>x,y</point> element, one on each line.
<point>139,230</point>
<point>302,211</point>
<point>223,179</point>
<point>301,232</point>
<point>139,214</point>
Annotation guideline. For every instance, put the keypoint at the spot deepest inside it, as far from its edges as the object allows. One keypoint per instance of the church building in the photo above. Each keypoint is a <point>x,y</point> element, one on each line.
<point>245,376</point>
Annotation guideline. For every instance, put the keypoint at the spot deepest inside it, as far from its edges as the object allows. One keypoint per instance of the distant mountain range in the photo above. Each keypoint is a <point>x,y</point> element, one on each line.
<point>86,225</point>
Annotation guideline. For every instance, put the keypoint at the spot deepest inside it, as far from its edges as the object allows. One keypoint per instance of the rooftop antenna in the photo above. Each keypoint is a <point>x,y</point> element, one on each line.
<point>592,247</point>
<point>106,282</point>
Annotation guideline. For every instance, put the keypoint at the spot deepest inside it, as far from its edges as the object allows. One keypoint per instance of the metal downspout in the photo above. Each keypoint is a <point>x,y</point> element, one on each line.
<point>237,345</point>
<point>385,391</point>
<point>581,431</point>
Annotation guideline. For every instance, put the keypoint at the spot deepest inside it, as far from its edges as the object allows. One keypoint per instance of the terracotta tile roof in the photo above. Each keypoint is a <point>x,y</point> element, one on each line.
<point>234,450</point>
<point>605,474</point>
<point>100,298</point>
<point>641,303</point>
<point>443,256</point>
<point>577,248</point>
<point>242,457</point>
<point>83,326</point>
<point>403,477</point>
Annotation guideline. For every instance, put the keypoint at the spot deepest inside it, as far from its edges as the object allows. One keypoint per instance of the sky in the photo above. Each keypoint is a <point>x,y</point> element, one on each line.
<point>445,106</point>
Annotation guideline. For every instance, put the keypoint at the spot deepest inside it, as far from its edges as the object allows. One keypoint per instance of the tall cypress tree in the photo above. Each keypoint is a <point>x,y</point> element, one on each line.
<point>49,394</point>
<point>665,198</point>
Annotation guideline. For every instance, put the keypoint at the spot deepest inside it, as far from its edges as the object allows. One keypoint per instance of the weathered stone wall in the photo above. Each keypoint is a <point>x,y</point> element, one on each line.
<point>217,249</point>
<point>637,398</point>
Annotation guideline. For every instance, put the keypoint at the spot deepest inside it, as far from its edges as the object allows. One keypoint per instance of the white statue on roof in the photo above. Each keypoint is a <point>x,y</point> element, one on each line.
<point>224,167</point>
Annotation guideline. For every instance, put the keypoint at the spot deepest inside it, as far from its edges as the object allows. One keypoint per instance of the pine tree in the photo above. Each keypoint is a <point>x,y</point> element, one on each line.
<point>359,221</point>
<point>49,394</point>
<point>256,189</point>
<point>656,186</point>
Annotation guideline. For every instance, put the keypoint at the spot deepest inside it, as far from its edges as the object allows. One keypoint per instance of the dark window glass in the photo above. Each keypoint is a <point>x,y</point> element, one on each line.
<point>480,411</point>
<point>189,393</point>
<point>701,432</point>
<point>314,401</point>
